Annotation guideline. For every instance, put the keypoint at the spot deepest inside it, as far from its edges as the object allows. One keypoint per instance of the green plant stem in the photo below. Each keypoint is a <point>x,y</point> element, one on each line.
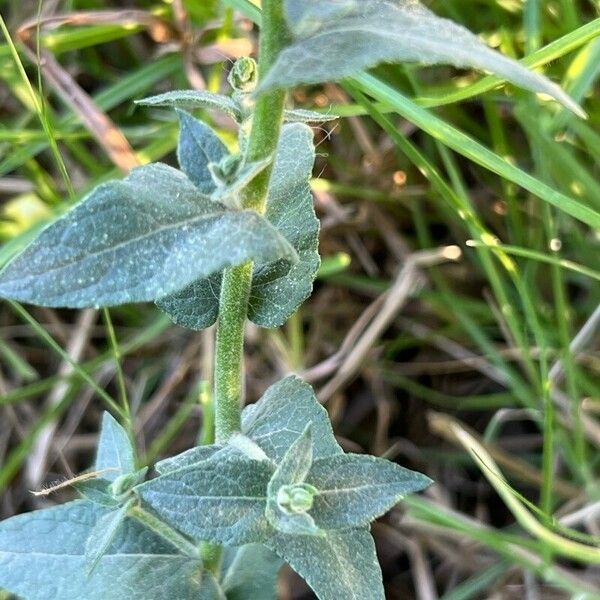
<point>164,531</point>
<point>237,281</point>
<point>235,290</point>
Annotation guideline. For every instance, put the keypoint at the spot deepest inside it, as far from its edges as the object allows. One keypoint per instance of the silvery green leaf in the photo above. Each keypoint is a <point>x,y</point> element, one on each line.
<point>250,573</point>
<point>356,489</point>
<point>194,99</point>
<point>281,415</point>
<point>342,564</point>
<point>187,458</point>
<point>137,240</point>
<point>115,454</point>
<point>301,115</point>
<point>277,293</point>
<point>296,524</point>
<point>296,462</point>
<point>42,556</point>
<point>198,147</point>
<point>238,442</point>
<point>221,500</point>
<point>98,491</point>
<point>103,534</point>
<point>308,15</point>
<point>211,590</point>
<point>277,289</point>
<point>337,39</point>
<point>196,306</point>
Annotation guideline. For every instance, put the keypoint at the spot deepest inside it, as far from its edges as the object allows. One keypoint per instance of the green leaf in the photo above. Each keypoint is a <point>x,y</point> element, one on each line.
<point>221,500</point>
<point>277,293</point>
<point>188,458</point>
<point>281,415</point>
<point>277,289</point>
<point>296,462</point>
<point>211,590</point>
<point>355,489</point>
<point>103,534</point>
<point>115,452</point>
<point>250,573</point>
<point>98,491</point>
<point>339,38</point>
<point>296,524</point>
<point>137,240</point>
<point>343,564</point>
<point>196,306</point>
<point>274,423</point>
<point>198,146</point>
<point>42,556</point>
<point>301,115</point>
<point>194,99</point>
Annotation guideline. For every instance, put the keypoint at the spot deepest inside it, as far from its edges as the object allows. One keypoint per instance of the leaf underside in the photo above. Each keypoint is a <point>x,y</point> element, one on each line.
<point>339,38</point>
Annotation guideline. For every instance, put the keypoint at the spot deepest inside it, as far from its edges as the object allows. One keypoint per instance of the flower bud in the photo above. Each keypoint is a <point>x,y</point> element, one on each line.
<point>297,498</point>
<point>243,75</point>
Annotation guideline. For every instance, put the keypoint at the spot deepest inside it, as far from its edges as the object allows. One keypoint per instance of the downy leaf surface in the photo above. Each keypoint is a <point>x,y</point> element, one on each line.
<point>115,454</point>
<point>302,115</point>
<point>343,564</point>
<point>98,491</point>
<point>281,415</point>
<point>189,457</point>
<point>277,289</point>
<point>103,534</point>
<point>355,489</point>
<point>274,423</point>
<point>250,573</point>
<point>193,99</point>
<point>42,556</point>
<point>277,293</point>
<point>338,38</point>
<point>197,99</point>
<point>221,500</point>
<point>198,146</point>
<point>137,240</point>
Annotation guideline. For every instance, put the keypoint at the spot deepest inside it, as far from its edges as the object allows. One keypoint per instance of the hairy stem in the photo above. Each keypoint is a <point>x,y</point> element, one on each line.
<point>235,291</point>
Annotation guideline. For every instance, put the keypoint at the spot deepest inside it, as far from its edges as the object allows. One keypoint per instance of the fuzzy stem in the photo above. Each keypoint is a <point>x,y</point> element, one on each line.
<point>235,292</point>
<point>237,281</point>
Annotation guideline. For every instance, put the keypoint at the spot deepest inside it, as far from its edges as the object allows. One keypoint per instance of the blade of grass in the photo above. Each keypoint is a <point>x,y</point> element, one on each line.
<point>471,149</point>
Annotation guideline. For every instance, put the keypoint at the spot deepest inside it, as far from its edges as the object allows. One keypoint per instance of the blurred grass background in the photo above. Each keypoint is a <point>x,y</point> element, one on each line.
<point>454,324</point>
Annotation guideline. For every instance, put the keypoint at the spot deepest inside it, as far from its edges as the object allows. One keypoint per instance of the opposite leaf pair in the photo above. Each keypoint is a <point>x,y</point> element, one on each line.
<point>97,548</point>
<point>166,235</point>
<point>287,486</point>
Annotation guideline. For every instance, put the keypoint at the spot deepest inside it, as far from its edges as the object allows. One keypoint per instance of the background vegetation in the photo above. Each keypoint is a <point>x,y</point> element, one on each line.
<point>454,324</point>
